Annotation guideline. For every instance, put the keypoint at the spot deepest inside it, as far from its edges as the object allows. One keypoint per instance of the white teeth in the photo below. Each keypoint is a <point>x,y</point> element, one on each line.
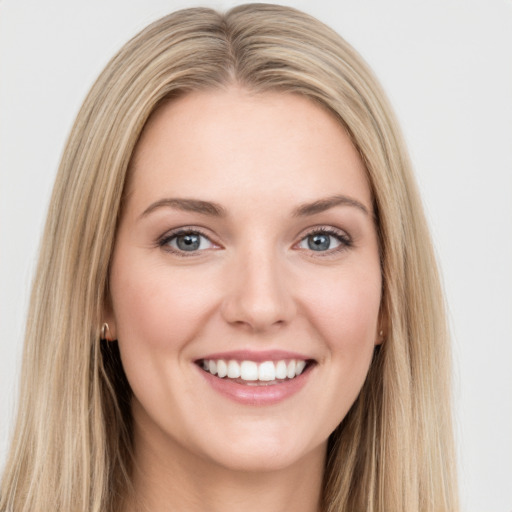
<point>300,367</point>
<point>222,368</point>
<point>233,370</point>
<point>281,370</point>
<point>265,371</point>
<point>291,369</point>
<point>249,370</point>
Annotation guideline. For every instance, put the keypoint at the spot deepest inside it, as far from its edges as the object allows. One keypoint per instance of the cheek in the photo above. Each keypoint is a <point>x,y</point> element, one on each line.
<point>345,310</point>
<point>157,306</point>
<point>156,316</point>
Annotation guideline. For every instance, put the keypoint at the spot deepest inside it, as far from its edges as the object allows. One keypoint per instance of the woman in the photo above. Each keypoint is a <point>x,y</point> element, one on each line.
<point>237,294</point>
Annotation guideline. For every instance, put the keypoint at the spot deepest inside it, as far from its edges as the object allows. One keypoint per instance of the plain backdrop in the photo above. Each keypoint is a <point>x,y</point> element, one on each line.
<point>447,67</point>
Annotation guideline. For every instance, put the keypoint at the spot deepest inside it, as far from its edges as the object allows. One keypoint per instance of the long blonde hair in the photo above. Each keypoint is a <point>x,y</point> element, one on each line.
<point>72,445</point>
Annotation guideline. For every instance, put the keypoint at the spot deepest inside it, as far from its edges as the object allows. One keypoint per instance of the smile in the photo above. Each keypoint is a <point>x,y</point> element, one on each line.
<point>256,378</point>
<point>257,373</point>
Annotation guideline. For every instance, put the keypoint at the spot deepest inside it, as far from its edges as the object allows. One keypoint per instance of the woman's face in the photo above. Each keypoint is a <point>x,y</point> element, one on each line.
<point>247,246</point>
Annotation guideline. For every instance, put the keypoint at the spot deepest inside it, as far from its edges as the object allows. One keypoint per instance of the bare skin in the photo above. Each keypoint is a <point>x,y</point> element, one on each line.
<point>166,485</point>
<point>247,234</point>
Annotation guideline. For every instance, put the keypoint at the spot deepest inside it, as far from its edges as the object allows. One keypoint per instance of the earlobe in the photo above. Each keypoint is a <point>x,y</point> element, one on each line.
<point>380,337</point>
<point>106,333</point>
<point>108,324</point>
<point>382,328</point>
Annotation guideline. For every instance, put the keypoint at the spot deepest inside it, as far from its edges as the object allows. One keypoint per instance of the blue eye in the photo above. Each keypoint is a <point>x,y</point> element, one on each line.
<point>324,240</point>
<point>320,242</point>
<point>187,241</point>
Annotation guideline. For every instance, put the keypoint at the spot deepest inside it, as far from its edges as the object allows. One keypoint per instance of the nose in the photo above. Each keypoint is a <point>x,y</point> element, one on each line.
<point>258,294</point>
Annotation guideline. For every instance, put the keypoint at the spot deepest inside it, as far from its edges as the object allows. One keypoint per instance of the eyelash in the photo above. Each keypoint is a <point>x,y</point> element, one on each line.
<point>169,236</point>
<point>343,238</point>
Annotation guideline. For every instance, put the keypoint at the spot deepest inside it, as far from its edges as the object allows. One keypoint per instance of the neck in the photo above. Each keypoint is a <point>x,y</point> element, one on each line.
<point>174,479</point>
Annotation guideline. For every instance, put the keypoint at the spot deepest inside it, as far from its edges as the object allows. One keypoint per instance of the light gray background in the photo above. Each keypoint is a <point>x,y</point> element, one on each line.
<point>447,67</point>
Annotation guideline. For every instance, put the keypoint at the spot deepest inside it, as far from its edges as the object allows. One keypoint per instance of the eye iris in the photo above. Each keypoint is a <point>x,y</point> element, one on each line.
<point>190,242</point>
<point>319,242</point>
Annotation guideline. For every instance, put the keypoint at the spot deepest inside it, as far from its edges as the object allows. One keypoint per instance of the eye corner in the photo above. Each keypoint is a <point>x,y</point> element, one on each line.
<point>186,242</point>
<point>329,241</point>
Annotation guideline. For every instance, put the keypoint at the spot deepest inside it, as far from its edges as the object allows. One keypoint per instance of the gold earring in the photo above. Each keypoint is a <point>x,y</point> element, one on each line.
<point>105,332</point>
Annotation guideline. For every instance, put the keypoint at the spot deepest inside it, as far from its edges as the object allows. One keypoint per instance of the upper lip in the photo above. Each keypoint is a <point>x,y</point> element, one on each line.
<point>257,356</point>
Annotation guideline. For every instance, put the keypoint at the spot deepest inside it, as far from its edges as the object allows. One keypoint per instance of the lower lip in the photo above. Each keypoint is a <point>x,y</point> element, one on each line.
<point>257,395</point>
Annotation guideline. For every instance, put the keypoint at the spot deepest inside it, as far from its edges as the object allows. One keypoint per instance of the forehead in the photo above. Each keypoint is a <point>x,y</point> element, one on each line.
<point>226,142</point>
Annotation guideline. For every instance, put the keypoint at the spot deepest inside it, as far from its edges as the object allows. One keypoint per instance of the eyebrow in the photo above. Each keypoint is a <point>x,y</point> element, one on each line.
<point>327,203</point>
<point>216,210</point>
<point>187,205</point>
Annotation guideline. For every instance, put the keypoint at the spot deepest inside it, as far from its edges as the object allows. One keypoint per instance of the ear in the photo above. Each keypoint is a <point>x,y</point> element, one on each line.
<point>108,318</point>
<point>382,327</point>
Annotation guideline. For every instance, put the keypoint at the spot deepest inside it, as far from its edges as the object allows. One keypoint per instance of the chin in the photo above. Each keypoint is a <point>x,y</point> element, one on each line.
<point>257,452</point>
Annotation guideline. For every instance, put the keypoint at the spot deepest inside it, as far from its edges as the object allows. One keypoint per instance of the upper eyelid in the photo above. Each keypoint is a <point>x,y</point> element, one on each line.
<point>321,228</point>
<point>171,233</point>
<point>345,243</point>
<point>324,228</point>
<point>163,242</point>
<point>344,238</point>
